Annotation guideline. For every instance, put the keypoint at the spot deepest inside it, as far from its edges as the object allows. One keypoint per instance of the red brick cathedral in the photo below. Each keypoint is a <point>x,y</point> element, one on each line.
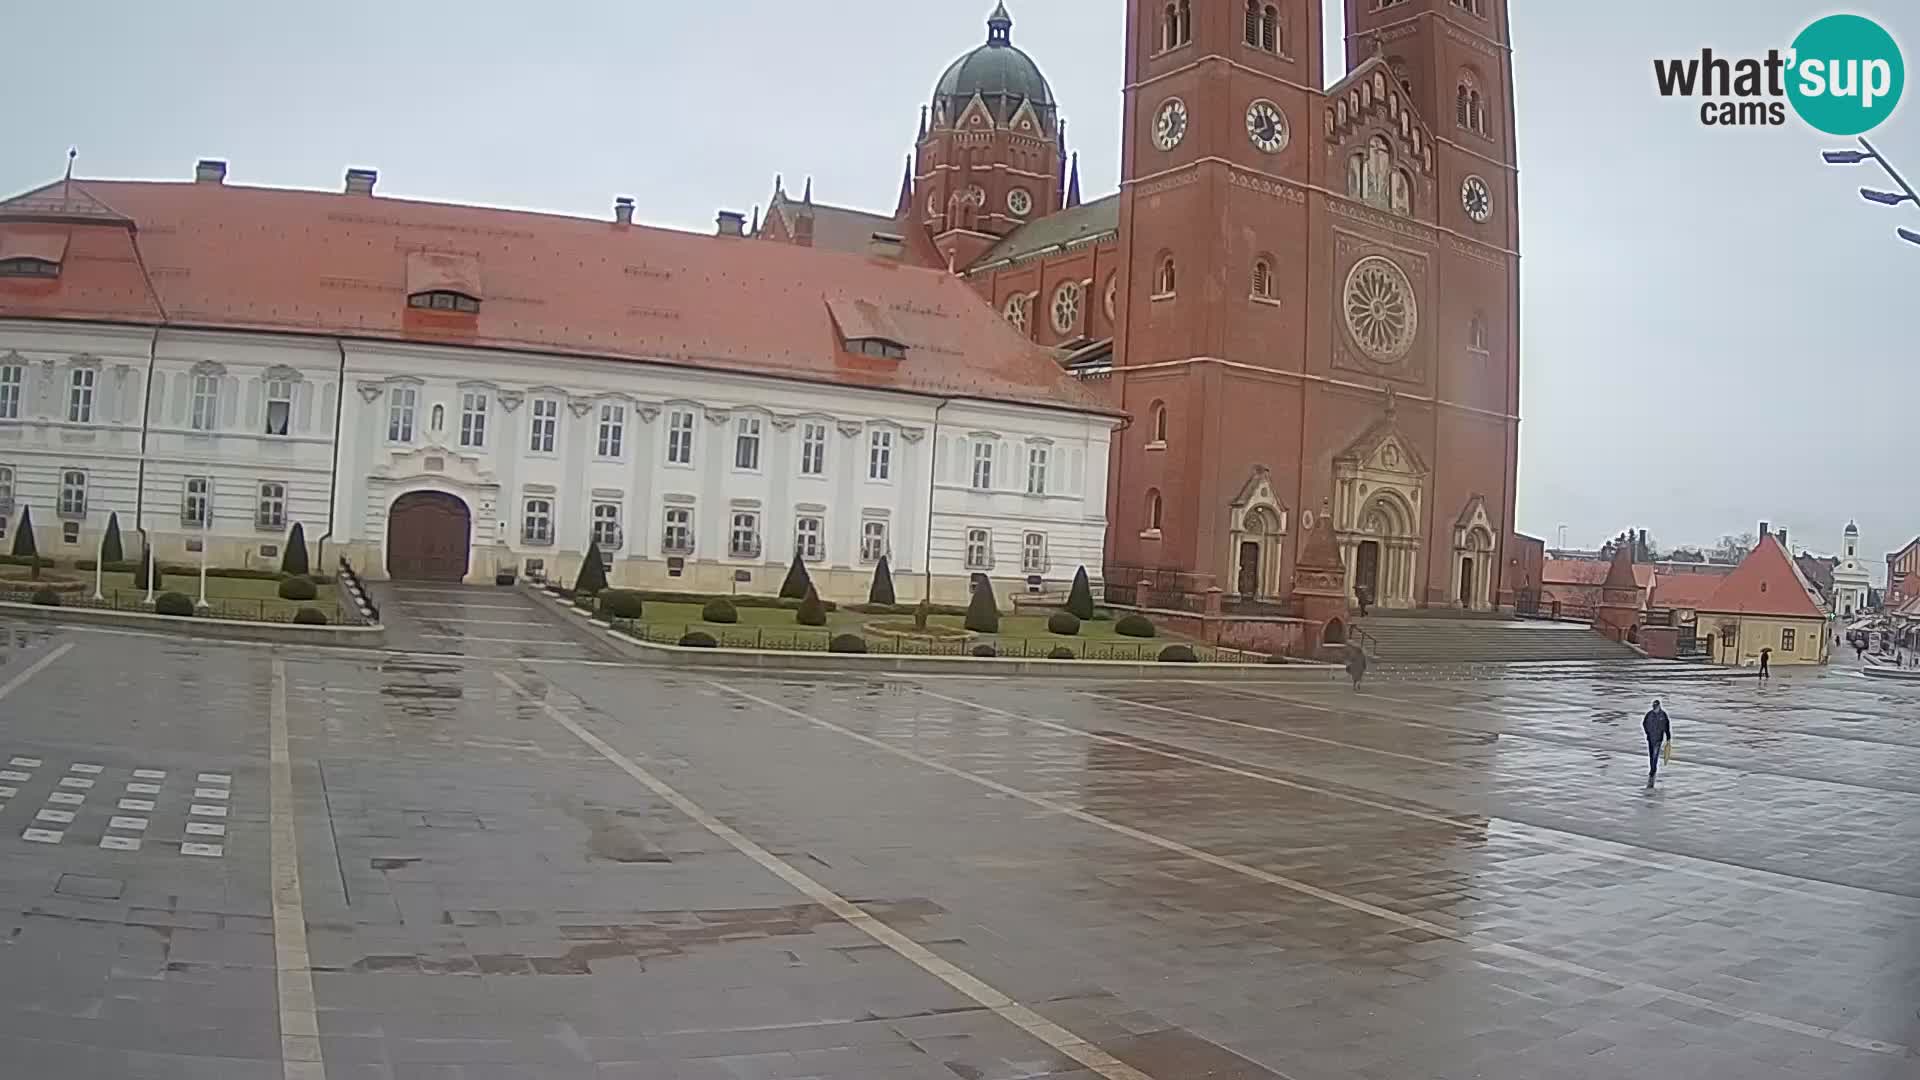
<point>1306,299</point>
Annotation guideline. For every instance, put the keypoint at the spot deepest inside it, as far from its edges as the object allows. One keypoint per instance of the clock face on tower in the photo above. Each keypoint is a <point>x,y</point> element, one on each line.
<point>1476,199</point>
<point>1267,127</point>
<point>1170,124</point>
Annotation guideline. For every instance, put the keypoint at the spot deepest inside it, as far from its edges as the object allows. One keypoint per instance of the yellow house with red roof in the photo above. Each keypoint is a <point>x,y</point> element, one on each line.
<point>1765,605</point>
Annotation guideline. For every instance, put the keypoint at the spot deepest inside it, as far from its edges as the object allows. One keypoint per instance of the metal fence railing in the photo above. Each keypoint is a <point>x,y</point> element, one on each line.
<point>808,639</point>
<point>247,610</point>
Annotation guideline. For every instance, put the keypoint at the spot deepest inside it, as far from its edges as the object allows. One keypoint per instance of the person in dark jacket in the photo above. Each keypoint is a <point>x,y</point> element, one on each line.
<point>1765,655</point>
<point>1356,662</point>
<point>1659,729</point>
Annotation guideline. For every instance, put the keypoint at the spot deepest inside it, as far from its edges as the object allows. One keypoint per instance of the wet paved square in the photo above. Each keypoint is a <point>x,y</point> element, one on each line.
<point>550,867</point>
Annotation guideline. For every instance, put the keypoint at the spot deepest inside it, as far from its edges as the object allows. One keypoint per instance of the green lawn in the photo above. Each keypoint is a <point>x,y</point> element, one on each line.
<point>1021,635</point>
<point>236,598</point>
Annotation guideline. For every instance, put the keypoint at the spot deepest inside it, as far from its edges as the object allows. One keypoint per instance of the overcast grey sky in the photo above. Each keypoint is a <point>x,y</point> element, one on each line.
<point>1716,329</point>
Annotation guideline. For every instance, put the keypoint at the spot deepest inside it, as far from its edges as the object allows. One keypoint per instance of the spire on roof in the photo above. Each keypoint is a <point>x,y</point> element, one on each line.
<point>905,205</point>
<point>1000,26</point>
<point>808,196</point>
<point>1073,183</point>
<point>756,220</point>
<point>779,188</point>
<point>923,122</point>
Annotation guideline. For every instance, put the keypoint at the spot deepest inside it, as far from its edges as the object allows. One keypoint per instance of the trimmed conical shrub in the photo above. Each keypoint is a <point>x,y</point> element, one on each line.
<point>23,545</point>
<point>593,574</point>
<point>812,612</point>
<point>295,560</point>
<point>797,583</point>
<point>112,550</point>
<point>1080,599</point>
<point>983,617</point>
<point>881,592</point>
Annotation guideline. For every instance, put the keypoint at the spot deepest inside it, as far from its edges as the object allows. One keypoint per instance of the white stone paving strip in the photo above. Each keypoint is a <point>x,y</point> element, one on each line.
<point>149,774</point>
<point>25,762</point>
<point>43,836</point>
<point>209,793</point>
<point>205,828</point>
<point>299,1023</point>
<point>13,777</point>
<point>8,792</point>
<point>143,789</point>
<point>213,778</point>
<point>1477,940</point>
<point>55,817</point>
<point>208,811</point>
<point>212,851</point>
<point>1055,1036</point>
<point>75,782</point>
<point>120,843</point>
<point>85,769</point>
<point>66,798</point>
<point>137,824</point>
<point>139,806</point>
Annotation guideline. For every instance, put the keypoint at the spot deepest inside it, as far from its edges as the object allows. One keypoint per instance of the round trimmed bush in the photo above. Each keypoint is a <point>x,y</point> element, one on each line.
<point>720,610</point>
<point>178,605</point>
<point>1061,652</point>
<point>1178,654</point>
<point>621,604</point>
<point>1065,623</point>
<point>310,616</point>
<point>847,643</point>
<point>298,588</point>
<point>1134,625</point>
<point>985,650</point>
<point>697,639</point>
<point>46,597</point>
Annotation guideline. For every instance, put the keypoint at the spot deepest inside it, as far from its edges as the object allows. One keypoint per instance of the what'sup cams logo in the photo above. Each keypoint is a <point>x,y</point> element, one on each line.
<point>1843,75</point>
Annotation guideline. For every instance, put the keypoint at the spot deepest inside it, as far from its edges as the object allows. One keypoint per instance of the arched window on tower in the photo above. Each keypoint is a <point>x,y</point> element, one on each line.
<point>1477,333</point>
<point>1170,27</point>
<point>1253,23</point>
<point>1153,510</point>
<point>1186,21</point>
<point>1262,279</point>
<point>1157,424</point>
<point>1164,279</point>
<point>1469,105</point>
<point>1270,38</point>
<point>1379,166</point>
<point>1401,199</point>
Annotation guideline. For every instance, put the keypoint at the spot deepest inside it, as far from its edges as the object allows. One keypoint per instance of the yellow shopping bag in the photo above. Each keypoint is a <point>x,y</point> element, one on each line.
<point>1666,751</point>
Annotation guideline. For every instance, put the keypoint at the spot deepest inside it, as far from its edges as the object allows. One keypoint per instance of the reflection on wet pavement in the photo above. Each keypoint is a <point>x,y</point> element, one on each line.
<point>1420,880</point>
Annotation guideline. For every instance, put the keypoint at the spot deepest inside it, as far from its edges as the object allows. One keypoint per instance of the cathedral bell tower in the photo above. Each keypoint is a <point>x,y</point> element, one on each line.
<point>991,151</point>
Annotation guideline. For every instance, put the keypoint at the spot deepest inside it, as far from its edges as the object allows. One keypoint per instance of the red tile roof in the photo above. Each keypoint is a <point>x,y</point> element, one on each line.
<point>1684,590</point>
<point>309,262</point>
<point>1589,572</point>
<point>1766,583</point>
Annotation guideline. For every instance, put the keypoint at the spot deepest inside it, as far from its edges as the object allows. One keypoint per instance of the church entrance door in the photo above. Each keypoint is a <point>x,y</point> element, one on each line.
<point>1466,582</point>
<point>1249,583</point>
<point>1366,569</point>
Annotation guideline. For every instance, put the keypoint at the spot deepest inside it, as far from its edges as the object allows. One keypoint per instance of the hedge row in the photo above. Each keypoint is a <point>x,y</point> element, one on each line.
<point>655,596</point>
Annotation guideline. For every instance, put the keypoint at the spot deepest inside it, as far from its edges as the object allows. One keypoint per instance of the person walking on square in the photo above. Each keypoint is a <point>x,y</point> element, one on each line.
<point>1765,655</point>
<point>1356,663</point>
<point>1659,729</point>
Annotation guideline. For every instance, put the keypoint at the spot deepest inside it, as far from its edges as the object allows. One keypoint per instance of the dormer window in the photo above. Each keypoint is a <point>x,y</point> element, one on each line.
<point>866,329</point>
<point>29,267</point>
<point>881,347</point>
<point>444,300</point>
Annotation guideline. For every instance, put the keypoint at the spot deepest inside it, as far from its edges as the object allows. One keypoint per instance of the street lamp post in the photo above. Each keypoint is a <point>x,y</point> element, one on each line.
<point>149,554</point>
<point>206,531</point>
<point>99,567</point>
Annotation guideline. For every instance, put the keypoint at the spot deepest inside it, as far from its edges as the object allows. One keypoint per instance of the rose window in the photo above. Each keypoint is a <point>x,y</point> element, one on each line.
<point>1381,313</point>
<point>1017,313</point>
<point>1066,307</point>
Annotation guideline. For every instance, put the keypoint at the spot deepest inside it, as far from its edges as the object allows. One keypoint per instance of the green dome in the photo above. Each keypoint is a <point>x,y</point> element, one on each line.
<point>999,73</point>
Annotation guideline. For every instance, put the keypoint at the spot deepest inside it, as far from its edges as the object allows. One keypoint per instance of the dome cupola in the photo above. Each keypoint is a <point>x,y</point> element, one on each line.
<point>999,74</point>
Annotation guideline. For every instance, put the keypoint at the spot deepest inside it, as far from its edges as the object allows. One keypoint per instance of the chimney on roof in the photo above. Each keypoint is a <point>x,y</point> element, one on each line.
<point>1783,538</point>
<point>623,210</point>
<point>1766,529</point>
<point>210,171</point>
<point>732,223</point>
<point>360,181</point>
<point>889,246</point>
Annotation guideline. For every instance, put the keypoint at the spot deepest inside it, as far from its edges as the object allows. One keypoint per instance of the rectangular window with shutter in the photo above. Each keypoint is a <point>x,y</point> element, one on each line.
<point>279,406</point>
<point>678,539</point>
<point>271,513</point>
<point>11,376</point>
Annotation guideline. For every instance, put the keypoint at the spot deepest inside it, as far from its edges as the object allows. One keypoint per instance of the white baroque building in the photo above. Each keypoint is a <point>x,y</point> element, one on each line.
<point>1852,581</point>
<point>441,392</point>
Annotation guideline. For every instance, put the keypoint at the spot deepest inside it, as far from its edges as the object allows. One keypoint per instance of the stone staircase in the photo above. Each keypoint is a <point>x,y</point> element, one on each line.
<point>1397,640</point>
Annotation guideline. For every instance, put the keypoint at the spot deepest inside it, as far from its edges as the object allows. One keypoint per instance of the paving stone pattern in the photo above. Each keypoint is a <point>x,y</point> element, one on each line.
<point>1426,880</point>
